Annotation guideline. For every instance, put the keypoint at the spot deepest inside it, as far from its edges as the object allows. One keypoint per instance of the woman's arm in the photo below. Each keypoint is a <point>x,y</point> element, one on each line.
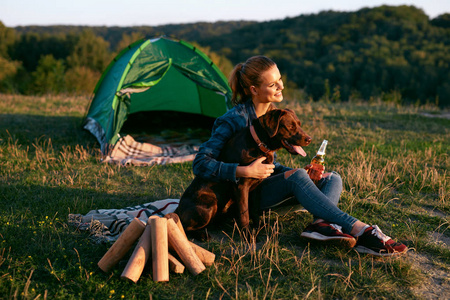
<point>256,169</point>
<point>206,164</point>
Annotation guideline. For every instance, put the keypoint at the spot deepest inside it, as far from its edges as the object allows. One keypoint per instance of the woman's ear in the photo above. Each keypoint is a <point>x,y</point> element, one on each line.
<point>253,90</point>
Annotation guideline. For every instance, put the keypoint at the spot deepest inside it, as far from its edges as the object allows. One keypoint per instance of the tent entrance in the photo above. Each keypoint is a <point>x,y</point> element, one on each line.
<point>165,126</point>
<point>175,105</point>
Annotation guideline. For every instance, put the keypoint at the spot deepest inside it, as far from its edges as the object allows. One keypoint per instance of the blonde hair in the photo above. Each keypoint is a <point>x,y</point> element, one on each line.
<point>245,75</point>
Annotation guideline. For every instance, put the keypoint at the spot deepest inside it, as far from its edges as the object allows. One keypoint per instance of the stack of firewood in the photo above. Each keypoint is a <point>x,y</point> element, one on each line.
<point>162,239</point>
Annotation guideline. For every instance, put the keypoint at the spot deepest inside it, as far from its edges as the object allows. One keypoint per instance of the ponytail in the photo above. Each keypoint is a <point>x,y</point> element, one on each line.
<point>236,86</point>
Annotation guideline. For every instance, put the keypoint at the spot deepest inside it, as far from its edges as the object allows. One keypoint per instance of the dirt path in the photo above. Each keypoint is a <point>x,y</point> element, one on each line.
<point>436,285</point>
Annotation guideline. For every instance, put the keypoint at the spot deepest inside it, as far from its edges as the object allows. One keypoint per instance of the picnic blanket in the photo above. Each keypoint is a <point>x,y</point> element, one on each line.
<point>128,151</point>
<point>106,225</point>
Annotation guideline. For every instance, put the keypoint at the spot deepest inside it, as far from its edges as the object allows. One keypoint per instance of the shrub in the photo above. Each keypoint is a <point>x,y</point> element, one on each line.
<point>49,76</point>
<point>81,80</point>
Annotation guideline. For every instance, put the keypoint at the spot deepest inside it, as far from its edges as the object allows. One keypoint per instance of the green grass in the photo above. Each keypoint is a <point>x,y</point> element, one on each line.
<point>394,163</point>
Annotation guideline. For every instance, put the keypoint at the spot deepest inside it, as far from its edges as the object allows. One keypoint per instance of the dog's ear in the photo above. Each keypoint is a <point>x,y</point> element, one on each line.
<point>271,121</point>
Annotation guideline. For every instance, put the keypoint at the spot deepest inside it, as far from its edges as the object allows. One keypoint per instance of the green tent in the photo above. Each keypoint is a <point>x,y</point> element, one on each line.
<point>155,75</point>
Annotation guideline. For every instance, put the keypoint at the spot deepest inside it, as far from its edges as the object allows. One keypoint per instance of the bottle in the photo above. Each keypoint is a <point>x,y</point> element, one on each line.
<point>318,160</point>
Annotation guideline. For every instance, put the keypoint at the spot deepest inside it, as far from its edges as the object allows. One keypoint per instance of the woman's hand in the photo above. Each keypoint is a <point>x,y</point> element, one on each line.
<point>256,169</point>
<point>315,171</point>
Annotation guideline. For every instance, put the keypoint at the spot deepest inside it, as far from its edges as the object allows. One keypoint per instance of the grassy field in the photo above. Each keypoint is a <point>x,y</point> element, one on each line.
<point>394,162</point>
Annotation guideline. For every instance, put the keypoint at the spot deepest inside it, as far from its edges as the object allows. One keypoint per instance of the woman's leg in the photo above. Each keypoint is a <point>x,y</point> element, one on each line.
<point>320,201</point>
<point>331,186</point>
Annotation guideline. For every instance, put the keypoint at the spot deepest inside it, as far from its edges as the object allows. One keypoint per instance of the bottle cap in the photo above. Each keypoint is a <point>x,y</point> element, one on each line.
<point>322,148</point>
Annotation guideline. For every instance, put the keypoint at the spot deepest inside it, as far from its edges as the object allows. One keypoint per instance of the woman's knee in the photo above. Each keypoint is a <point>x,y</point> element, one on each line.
<point>331,181</point>
<point>334,176</point>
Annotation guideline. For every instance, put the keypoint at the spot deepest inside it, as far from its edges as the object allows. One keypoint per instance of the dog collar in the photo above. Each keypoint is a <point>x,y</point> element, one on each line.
<point>261,145</point>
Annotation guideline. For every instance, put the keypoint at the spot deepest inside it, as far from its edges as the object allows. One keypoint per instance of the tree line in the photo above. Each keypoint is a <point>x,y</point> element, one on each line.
<point>396,53</point>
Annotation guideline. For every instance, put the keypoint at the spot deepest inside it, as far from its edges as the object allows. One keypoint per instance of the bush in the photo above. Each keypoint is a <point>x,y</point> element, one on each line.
<point>48,77</point>
<point>81,80</point>
<point>7,72</point>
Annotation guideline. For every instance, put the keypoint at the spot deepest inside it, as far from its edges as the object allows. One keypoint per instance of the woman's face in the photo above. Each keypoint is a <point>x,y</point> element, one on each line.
<point>271,87</point>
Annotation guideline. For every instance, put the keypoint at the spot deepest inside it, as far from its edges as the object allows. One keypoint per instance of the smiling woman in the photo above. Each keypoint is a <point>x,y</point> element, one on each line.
<point>271,87</point>
<point>256,86</point>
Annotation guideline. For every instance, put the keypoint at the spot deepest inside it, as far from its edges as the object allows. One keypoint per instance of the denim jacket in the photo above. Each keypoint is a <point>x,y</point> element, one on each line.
<point>206,164</point>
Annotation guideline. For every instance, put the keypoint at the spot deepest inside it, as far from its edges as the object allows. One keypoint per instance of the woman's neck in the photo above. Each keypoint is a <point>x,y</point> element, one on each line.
<point>260,108</point>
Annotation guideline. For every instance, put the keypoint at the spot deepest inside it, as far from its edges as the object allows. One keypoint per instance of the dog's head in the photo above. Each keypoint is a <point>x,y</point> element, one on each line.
<point>284,128</point>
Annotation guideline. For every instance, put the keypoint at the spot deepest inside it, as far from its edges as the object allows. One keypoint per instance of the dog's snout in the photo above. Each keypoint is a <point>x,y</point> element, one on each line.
<point>307,140</point>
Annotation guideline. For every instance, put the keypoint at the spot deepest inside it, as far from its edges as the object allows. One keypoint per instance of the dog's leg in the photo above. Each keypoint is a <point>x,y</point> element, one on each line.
<point>244,215</point>
<point>254,209</point>
<point>242,201</point>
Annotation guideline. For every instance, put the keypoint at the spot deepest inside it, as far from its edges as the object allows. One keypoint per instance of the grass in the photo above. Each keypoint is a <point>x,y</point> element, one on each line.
<point>394,163</point>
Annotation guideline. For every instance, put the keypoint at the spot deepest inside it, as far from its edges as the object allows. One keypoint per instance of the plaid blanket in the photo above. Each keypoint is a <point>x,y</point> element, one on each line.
<point>127,151</point>
<point>106,225</point>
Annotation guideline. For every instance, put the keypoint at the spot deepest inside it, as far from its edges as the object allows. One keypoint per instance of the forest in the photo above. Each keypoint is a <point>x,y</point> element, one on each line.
<point>393,53</point>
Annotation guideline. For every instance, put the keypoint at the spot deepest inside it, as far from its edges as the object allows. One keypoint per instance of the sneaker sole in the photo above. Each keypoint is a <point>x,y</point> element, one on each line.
<point>362,249</point>
<point>348,242</point>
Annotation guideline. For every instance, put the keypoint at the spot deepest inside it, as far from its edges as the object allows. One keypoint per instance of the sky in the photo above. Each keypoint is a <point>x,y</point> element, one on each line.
<point>160,12</point>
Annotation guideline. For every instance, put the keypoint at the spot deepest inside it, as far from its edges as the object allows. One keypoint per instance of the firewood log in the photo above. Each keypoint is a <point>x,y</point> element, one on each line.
<point>205,256</point>
<point>175,265</point>
<point>123,244</point>
<point>184,250</point>
<point>160,250</point>
<point>139,258</point>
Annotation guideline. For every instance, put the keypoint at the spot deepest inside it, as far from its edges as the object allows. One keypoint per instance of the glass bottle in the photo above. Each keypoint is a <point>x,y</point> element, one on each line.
<point>318,159</point>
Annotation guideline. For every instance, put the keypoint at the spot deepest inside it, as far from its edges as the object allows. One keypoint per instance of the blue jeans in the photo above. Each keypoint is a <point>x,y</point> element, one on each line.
<point>320,200</point>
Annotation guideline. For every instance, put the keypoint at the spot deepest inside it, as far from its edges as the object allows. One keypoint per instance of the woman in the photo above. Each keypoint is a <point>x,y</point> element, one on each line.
<point>256,86</point>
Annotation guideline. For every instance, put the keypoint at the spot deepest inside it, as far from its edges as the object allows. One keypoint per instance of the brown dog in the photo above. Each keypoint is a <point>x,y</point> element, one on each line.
<point>204,200</point>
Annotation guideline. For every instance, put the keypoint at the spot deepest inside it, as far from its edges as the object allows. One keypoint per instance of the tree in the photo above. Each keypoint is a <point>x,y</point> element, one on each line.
<point>90,51</point>
<point>128,39</point>
<point>81,80</point>
<point>8,67</point>
<point>7,38</point>
<point>442,21</point>
<point>49,76</point>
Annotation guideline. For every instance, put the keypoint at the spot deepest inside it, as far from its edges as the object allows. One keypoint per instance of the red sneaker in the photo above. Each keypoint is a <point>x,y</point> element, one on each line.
<point>374,241</point>
<point>324,231</point>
